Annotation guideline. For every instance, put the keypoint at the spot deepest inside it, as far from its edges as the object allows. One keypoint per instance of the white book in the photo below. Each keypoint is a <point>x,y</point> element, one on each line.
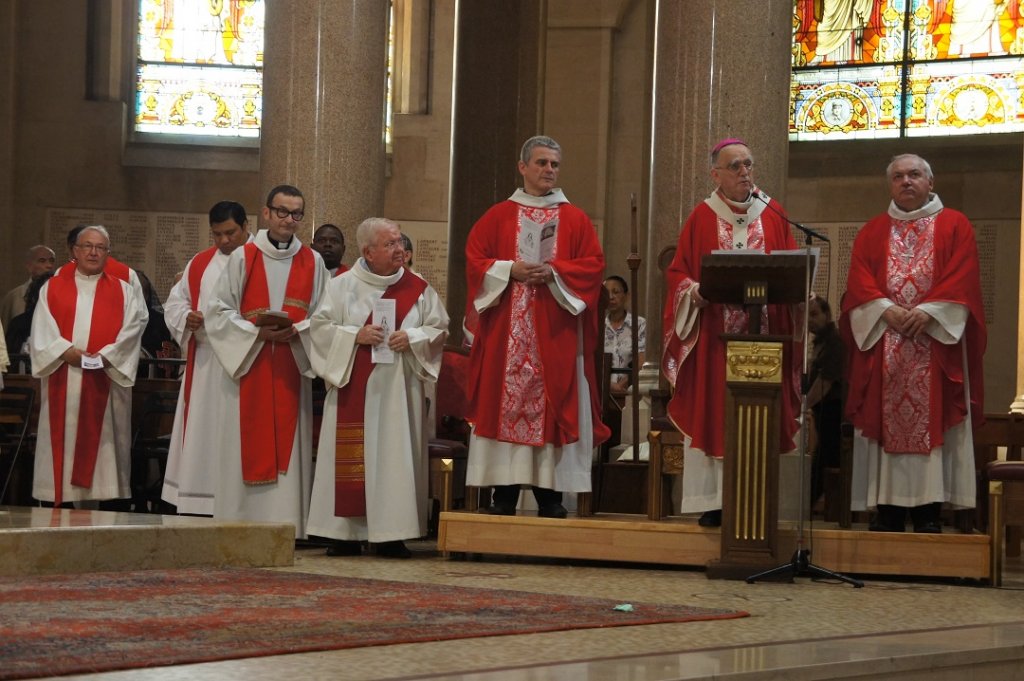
<point>537,240</point>
<point>384,317</point>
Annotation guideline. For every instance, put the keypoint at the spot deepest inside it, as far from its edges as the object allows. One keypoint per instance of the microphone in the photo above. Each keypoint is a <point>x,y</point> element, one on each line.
<point>806,230</point>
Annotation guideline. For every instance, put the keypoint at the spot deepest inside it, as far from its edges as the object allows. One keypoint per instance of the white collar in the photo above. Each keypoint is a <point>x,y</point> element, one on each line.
<point>740,222</point>
<point>932,206</point>
<point>362,272</point>
<point>262,241</point>
<point>549,200</point>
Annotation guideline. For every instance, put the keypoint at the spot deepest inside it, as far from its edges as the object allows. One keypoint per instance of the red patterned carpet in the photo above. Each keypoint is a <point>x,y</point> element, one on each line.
<point>68,624</point>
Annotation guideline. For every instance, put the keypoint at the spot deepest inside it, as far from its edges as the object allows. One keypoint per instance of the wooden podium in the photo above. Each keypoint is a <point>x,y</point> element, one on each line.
<point>754,378</point>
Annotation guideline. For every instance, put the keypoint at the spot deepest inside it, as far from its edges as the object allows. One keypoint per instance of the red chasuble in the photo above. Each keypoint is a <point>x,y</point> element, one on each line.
<point>944,269</point>
<point>272,386</point>
<point>107,320</point>
<point>342,269</point>
<point>695,366</point>
<point>349,453</point>
<point>195,280</point>
<point>503,363</point>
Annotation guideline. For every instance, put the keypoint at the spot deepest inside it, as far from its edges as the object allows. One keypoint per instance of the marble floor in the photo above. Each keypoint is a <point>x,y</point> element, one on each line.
<point>907,629</point>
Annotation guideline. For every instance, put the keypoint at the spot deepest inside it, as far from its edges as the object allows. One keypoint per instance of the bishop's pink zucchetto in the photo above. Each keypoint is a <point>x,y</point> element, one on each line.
<point>726,142</point>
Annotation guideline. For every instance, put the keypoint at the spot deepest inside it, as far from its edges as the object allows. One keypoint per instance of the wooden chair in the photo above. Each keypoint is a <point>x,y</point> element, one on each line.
<point>666,459</point>
<point>449,449</point>
<point>1005,506</point>
<point>150,445</point>
<point>1001,514</point>
<point>999,430</point>
<point>16,409</point>
<point>665,441</point>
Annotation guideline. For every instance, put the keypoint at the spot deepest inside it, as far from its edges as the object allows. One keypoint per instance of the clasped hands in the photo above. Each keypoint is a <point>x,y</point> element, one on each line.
<point>194,320</point>
<point>535,275</point>
<point>910,323</point>
<point>372,334</point>
<point>274,328</point>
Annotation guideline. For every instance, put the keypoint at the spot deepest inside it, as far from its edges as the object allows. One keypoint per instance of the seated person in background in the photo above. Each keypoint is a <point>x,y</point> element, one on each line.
<point>38,260</point>
<point>17,333</point>
<point>825,396</point>
<point>618,338</point>
<point>407,248</point>
<point>157,341</point>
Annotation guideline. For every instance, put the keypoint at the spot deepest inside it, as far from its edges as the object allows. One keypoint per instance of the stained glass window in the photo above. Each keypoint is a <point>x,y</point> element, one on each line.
<point>905,68</point>
<point>200,68</point>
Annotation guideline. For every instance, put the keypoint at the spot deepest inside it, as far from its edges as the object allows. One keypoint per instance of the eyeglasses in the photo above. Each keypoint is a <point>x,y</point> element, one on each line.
<point>89,248</point>
<point>738,165</point>
<point>282,213</point>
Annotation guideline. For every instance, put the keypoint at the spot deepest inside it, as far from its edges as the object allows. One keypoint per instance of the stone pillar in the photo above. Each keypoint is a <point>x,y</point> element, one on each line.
<point>721,70</point>
<point>1017,406</point>
<point>325,76</point>
<point>497,106</point>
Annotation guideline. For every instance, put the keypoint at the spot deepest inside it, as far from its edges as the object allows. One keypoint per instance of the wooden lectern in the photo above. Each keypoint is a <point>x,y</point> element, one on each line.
<point>754,378</point>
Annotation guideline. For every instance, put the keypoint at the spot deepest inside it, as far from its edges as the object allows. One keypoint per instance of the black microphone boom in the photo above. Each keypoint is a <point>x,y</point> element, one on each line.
<point>806,230</point>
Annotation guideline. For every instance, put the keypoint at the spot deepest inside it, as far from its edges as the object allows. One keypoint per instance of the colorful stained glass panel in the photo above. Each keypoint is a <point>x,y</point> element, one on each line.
<point>200,67</point>
<point>845,103</point>
<point>963,60</point>
<point>198,100</point>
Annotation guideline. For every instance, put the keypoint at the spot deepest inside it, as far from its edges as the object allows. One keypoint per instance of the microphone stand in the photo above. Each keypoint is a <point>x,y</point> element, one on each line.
<point>800,564</point>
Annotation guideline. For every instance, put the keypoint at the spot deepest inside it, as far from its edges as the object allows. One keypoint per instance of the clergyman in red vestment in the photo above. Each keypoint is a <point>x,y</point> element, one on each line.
<point>534,269</point>
<point>913,306</point>
<point>737,216</point>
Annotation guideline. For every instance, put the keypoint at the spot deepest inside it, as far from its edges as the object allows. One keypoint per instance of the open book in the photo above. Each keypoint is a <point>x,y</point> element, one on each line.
<point>537,241</point>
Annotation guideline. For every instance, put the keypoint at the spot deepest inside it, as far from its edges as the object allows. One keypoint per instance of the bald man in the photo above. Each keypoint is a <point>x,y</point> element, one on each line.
<point>38,260</point>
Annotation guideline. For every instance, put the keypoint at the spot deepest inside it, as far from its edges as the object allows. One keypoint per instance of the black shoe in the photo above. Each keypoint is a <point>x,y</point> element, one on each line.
<point>552,511</point>
<point>927,518</point>
<point>344,548</point>
<point>889,518</point>
<point>878,526</point>
<point>499,509</point>
<point>711,519</point>
<point>393,549</point>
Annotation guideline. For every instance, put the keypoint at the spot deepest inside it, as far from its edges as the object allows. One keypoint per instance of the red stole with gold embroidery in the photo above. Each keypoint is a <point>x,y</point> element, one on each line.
<point>107,320</point>
<point>272,386</point>
<point>349,455</point>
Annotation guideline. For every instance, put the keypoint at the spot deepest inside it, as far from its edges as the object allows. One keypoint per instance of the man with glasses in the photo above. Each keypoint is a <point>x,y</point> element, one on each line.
<point>913,303</point>
<point>189,482</point>
<point>259,307</point>
<point>737,216</point>
<point>86,333</point>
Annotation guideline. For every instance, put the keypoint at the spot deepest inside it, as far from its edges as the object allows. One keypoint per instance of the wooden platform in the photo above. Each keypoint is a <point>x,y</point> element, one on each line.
<point>680,541</point>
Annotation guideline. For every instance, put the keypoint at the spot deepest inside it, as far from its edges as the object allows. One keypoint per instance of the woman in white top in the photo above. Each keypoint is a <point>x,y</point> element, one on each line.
<point>618,323</point>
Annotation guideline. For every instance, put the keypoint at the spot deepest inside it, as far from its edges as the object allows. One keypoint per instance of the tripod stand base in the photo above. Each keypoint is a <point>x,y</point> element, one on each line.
<point>800,565</point>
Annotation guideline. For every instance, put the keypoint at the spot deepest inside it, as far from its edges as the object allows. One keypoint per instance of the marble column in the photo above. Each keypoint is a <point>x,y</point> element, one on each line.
<point>1017,406</point>
<point>497,106</point>
<point>324,83</point>
<point>721,70</point>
